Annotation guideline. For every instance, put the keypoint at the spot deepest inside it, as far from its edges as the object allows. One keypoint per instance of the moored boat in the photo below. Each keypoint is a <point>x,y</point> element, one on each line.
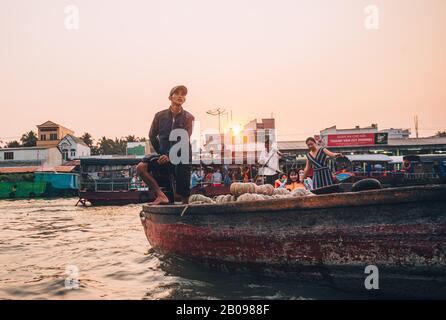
<point>111,181</point>
<point>330,238</point>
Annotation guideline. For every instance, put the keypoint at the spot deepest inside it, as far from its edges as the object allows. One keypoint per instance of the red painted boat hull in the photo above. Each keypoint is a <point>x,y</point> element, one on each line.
<point>331,238</point>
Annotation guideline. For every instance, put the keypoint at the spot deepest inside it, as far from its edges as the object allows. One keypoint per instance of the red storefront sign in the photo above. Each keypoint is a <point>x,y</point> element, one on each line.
<point>346,140</point>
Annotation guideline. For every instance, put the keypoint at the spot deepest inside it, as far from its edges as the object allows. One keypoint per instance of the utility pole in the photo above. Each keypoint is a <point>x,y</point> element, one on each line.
<point>217,112</point>
<point>416,126</point>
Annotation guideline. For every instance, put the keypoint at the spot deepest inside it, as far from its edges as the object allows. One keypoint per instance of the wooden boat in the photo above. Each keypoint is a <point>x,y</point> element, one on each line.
<point>417,169</point>
<point>330,238</point>
<point>108,181</point>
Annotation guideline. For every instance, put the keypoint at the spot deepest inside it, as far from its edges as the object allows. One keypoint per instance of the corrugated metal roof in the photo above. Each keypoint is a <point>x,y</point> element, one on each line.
<point>56,169</point>
<point>27,148</point>
<point>72,163</point>
<point>10,170</point>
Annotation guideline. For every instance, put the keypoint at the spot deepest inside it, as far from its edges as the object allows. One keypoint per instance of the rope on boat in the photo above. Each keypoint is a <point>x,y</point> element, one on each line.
<point>185,209</point>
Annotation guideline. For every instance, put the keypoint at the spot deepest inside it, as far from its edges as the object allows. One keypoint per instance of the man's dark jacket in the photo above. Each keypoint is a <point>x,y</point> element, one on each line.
<point>163,123</point>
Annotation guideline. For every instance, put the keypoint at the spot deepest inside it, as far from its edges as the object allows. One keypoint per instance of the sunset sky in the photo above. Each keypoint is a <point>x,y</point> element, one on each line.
<point>310,63</point>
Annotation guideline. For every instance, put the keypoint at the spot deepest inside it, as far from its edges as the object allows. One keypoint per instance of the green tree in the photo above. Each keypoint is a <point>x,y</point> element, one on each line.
<point>113,147</point>
<point>88,139</point>
<point>131,138</point>
<point>119,146</point>
<point>105,146</point>
<point>13,144</point>
<point>94,150</point>
<point>29,139</point>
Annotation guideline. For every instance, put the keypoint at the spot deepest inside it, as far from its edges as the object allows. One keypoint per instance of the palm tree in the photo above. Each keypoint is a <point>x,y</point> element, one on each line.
<point>131,138</point>
<point>105,145</point>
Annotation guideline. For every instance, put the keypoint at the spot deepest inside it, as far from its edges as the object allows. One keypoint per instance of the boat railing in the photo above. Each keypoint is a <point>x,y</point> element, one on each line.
<point>98,186</point>
<point>421,176</point>
<point>376,173</point>
<point>208,183</point>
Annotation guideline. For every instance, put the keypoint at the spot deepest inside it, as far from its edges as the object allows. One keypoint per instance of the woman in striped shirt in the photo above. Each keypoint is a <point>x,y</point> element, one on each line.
<point>316,159</point>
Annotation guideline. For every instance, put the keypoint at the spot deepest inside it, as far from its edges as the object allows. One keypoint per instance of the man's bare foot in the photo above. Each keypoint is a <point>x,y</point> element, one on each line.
<point>160,200</point>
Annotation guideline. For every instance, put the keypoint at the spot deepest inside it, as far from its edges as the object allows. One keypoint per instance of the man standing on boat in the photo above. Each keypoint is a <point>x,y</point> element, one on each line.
<point>269,161</point>
<point>164,122</point>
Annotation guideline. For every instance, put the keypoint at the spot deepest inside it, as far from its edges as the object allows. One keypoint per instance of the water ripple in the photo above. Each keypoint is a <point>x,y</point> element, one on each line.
<point>40,239</point>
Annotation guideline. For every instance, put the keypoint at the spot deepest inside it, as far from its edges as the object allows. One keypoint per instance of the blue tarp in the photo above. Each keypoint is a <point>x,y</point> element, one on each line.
<point>58,180</point>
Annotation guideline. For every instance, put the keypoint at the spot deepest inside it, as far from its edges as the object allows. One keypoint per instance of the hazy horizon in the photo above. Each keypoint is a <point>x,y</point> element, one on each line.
<point>312,64</point>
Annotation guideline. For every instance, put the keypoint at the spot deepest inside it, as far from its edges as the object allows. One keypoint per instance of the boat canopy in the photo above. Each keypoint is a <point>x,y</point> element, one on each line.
<point>396,159</point>
<point>369,158</point>
<point>426,157</point>
<point>110,161</point>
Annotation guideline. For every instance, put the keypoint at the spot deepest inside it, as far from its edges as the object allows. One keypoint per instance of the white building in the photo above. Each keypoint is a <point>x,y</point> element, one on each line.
<point>239,143</point>
<point>73,147</point>
<point>397,133</point>
<point>31,156</point>
<point>333,130</point>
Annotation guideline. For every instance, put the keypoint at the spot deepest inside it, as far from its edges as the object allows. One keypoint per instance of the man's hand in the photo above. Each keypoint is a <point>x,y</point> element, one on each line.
<point>163,159</point>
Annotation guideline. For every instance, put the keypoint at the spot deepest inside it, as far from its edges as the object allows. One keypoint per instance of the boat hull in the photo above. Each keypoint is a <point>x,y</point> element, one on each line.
<point>116,197</point>
<point>330,238</point>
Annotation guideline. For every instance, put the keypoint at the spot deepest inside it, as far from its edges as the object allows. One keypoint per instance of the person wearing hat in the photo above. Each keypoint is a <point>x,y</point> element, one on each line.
<point>165,121</point>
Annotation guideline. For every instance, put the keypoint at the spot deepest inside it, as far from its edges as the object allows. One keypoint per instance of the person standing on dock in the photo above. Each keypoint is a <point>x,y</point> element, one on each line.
<point>164,122</point>
<point>316,159</point>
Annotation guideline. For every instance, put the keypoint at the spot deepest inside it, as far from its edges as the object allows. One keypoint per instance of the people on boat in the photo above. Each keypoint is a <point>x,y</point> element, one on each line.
<point>164,122</point>
<point>217,178</point>
<point>378,168</point>
<point>134,182</point>
<point>246,174</point>
<point>269,161</point>
<point>295,180</point>
<point>227,178</point>
<point>208,177</point>
<point>316,160</point>
<point>308,183</point>
<point>407,166</point>
<point>281,182</point>
<point>195,179</point>
<point>236,175</point>
<point>259,180</point>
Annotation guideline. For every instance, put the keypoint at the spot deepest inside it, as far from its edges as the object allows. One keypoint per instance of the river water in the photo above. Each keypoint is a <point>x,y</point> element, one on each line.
<point>51,249</point>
